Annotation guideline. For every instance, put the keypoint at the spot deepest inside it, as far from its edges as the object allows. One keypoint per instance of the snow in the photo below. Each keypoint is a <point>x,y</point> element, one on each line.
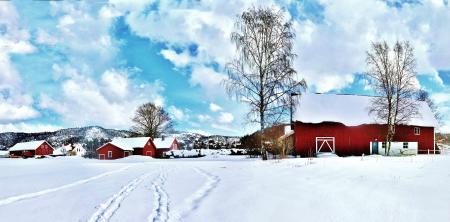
<point>351,110</point>
<point>203,152</point>
<point>130,143</point>
<point>4,153</point>
<point>32,145</point>
<point>163,143</point>
<point>236,188</point>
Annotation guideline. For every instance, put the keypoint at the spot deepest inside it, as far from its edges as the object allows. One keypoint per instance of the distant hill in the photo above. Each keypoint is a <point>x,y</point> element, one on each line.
<point>92,137</point>
<point>83,135</point>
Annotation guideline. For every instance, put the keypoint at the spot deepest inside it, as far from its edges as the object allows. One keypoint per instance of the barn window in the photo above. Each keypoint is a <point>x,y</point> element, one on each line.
<point>383,145</point>
<point>405,145</point>
<point>109,154</point>
<point>416,130</point>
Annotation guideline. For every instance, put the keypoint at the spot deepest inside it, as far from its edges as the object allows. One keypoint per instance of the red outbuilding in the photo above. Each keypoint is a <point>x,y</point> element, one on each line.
<point>342,124</point>
<point>31,149</point>
<point>165,144</point>
<point>123,147</point>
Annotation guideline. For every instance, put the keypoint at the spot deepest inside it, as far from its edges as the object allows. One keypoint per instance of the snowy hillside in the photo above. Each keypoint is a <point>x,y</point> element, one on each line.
<point>231,188</point>
<point>198,141</point>
<point>84,135</point>
<point>92,137</point>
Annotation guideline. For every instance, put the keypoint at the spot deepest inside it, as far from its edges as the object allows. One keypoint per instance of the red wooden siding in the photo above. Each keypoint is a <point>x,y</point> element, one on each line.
<point>116,152</point>
<point>355,140</point>
<point>42,150</point>
<point>175,145</point>
<point>149,149</point>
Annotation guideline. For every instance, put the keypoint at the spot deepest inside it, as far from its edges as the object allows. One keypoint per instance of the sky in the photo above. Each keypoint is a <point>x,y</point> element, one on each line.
<point>79,63</point>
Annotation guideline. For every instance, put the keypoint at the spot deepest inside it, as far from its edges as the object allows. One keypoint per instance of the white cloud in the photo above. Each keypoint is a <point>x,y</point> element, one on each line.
<point>28,128</point>
<point>83,102</point>
<point>223,128</point>
<point>178,114</point>
<point>214,107</point>
<point>180,60</point>
<point>15,103</point>
<point>203,117</point>
<point>115,84</point>
<point>341,40</point>
<point>225,117</point>
<point>208,79</point>
<point>11,110</point>
<point>44,38</point>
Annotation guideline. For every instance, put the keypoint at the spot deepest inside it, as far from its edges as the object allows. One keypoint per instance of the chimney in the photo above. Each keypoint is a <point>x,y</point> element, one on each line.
<point>162,138</point>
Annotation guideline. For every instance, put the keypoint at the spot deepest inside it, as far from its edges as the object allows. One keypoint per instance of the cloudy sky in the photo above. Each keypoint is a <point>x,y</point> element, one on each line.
<point>69,64</point>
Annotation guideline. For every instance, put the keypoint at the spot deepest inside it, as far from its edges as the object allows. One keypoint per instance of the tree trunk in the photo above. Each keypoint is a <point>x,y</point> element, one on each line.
<point>263,148</point>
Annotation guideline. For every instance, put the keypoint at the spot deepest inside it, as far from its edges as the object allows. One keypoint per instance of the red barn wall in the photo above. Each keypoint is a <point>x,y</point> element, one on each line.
<point>175,145</point>
<point>44,149</point>
<point>355,140</point>
<point>149,149</point>
<point>116,151</point>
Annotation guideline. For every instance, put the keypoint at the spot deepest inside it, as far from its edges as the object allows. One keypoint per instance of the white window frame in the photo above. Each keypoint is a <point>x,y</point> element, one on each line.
<point>383,145</point>
<point>416,130</point>
<point>109,154</point>
<point>325,140</point>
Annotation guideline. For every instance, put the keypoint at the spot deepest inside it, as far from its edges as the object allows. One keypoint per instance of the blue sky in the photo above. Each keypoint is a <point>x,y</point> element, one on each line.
<point>75,63</point>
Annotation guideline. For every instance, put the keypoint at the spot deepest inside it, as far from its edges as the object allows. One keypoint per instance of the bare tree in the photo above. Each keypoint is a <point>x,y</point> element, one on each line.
<point>392,75</point>
<point>424,96</point>
<point>261,73</point>
<point>151,120</point>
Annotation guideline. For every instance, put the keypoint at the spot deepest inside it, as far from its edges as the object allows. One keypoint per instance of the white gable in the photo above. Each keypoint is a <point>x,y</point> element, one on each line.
<point>32,145</point>
<point>163,143</point>
<point>351,110</point>
<point>130,143</point>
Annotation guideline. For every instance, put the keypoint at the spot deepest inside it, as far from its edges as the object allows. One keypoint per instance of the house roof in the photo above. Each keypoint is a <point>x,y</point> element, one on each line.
<point>165,143</point>
<point>129,143</point>
<point>32,145</point>
<point>351,110</point>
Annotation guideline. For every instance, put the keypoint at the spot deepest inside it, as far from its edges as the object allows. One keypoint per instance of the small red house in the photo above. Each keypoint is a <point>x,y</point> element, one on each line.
<point>342,124</point>
<point>31,149</point>
<point>123,147</point>
<point>165,144</point>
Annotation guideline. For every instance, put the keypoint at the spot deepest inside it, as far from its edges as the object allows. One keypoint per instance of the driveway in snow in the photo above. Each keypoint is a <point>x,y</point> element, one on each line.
<point>372,188</point>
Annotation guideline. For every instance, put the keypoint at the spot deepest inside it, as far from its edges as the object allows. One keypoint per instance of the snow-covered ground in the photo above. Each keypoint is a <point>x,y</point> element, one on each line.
<point>228,188</point>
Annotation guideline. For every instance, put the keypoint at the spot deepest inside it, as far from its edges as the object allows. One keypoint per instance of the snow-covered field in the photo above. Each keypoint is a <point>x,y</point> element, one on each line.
<point>231,188</point>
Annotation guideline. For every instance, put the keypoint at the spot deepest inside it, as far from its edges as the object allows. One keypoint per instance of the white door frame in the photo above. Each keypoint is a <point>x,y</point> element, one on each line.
<point>327,140</point>
<point>100,156</point>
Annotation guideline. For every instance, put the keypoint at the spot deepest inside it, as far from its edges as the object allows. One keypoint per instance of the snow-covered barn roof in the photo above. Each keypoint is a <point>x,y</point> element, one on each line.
<point>351,110</point>
<point>32,145</point>
<point>130,143</point>
<point>165,143</point>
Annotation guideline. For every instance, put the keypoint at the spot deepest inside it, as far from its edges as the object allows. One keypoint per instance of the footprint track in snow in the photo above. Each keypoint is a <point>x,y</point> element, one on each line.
<point>107,209</point>
<point>161,209</point>
<point>13,199</point>
<point>193,202</point>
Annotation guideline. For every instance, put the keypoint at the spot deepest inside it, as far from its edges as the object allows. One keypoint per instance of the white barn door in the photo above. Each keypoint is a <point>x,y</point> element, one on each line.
<point>325,144</point>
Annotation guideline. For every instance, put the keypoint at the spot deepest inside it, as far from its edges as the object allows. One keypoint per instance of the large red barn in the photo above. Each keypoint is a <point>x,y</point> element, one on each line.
<point>342,124</point>
<point>31,149</point>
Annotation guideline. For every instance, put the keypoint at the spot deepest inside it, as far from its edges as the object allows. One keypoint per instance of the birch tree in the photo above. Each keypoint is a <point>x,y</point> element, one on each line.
<point>261,74</point>
<point>151,120</point>
<point>392,75</point>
